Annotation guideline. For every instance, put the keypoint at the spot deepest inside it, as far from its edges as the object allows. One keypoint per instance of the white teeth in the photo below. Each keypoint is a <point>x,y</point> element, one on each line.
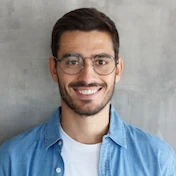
<point>87,92</point>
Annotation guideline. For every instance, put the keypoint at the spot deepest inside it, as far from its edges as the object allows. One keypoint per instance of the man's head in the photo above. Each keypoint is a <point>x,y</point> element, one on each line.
<point>85,62</point>
<point>84,19</point>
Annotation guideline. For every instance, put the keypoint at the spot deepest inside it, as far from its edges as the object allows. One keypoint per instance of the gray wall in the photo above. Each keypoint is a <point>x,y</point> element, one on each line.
<point>146,94</point>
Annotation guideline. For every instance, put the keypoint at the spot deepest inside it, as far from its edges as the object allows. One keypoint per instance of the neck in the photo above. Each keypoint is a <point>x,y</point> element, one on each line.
<point>85,129</point>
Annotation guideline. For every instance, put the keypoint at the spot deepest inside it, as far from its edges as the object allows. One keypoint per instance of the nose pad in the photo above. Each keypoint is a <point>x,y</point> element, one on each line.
<point>87,72</point>
<point>89,63</point>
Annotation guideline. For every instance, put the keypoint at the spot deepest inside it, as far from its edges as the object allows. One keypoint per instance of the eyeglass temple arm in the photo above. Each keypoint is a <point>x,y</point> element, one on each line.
<point>56,58</point>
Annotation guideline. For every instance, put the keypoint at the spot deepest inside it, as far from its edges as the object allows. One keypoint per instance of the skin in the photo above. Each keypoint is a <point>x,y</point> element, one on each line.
<point>85,118</point>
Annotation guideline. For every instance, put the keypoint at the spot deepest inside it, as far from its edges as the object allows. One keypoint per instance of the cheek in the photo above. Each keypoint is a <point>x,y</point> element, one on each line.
<point>65,80</point>
<point>112,78</point>
<point>110,81</point>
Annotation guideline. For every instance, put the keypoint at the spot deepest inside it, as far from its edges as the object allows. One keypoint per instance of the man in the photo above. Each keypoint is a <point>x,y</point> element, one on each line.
<point>85,137</point>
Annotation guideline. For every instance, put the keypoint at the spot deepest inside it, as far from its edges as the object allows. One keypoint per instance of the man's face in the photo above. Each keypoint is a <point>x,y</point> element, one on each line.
<point>86,92</point>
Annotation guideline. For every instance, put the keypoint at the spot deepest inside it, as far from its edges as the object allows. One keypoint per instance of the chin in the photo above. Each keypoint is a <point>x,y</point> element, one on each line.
<point>87,110</point>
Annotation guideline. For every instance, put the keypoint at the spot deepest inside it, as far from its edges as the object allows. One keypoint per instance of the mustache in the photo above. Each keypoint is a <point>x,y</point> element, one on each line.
<point>84,84</point>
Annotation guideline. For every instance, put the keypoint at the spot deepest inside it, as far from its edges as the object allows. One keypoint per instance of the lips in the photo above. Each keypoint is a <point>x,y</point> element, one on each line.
<point>85,92</point>
<point>88,91</point>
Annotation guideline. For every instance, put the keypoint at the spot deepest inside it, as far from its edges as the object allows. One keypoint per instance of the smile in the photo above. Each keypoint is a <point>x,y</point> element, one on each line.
<point>88,92</point>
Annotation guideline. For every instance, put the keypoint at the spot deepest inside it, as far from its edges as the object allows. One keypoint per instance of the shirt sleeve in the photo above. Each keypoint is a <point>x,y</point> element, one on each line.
<point>4,162</point>
<point>174,165</point>
<point>168,160</point>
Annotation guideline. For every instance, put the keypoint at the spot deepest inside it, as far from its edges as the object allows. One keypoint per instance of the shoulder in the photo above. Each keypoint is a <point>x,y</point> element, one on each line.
<point>136,135</point>
<point>24,140</point>
<point>152,147</point>
<point>36,137</point>
<point>21,149</point>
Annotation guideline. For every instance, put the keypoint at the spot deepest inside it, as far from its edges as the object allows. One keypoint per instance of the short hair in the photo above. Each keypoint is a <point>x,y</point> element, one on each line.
<point>84,19</point>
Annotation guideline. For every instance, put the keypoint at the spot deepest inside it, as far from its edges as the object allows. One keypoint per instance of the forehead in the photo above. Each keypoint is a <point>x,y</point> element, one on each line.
<point>86,43</point>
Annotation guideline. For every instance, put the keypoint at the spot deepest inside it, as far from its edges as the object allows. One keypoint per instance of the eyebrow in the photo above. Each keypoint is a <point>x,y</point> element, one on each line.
<point>93,55</point>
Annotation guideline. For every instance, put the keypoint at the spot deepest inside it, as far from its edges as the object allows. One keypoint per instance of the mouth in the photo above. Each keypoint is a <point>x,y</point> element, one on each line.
<point>85,92</point>
<point>88,91</point>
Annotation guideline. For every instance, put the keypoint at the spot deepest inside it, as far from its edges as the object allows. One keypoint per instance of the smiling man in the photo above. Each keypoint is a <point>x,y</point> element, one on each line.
<point>85,137</point>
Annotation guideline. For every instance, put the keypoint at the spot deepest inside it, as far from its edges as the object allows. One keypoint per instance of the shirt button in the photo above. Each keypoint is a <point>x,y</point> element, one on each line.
<point>58,170</point>
<point>60,143</point>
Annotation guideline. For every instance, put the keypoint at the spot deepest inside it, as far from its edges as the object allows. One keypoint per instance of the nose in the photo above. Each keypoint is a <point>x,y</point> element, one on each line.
<point>87,74</point>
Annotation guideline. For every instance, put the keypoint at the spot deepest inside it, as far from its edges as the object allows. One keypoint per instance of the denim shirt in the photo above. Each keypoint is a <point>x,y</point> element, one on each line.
<point>125,151</point>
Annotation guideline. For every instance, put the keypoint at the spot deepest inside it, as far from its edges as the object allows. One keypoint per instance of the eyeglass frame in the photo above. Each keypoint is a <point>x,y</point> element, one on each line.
<point>116,61</point>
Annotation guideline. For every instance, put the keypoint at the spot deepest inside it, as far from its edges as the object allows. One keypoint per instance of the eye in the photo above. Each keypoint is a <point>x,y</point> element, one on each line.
<point>100,62</point>
<point>71,61</point>
<point>102,59</point>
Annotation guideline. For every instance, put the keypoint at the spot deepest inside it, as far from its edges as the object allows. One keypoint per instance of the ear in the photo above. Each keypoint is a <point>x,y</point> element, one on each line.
<point>119,69</point>
<point>52,68</point>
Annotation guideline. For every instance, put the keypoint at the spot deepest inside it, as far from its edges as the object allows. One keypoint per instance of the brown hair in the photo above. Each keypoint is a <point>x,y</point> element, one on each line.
<point>84,19</point>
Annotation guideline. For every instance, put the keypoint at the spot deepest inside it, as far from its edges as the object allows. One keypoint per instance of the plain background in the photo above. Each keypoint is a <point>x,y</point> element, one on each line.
<point>146,94</point>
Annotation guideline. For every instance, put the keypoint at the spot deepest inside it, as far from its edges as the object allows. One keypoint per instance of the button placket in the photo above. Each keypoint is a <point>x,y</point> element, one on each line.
<point>58,170</point>
<point>60,143</point>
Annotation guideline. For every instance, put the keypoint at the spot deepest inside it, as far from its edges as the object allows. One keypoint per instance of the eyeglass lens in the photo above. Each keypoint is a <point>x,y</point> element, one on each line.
<point>72,63</point>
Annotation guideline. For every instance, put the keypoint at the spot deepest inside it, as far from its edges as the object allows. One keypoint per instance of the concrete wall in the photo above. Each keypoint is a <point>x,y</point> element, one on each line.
<point>146,94</point>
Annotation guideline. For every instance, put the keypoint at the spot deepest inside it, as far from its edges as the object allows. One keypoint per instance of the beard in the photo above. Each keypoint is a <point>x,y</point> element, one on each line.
<point>85,108</point>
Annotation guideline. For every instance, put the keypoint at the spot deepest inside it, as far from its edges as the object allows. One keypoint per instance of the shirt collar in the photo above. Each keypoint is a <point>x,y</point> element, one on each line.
<point>52,132</point>
<point>116,131</point>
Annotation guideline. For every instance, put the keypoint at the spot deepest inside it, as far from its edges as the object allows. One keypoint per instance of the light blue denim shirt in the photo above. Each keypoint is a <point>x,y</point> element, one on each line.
<point>125,151</point>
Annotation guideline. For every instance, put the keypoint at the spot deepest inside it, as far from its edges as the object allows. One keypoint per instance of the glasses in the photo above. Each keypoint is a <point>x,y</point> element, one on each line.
<point>73,63</point>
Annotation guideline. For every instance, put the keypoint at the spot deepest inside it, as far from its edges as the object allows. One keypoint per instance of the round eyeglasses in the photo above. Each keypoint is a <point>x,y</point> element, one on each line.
<point>73,63</point>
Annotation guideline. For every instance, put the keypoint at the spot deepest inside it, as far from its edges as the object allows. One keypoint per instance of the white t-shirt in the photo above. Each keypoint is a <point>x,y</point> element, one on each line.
<point>79,159</point>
